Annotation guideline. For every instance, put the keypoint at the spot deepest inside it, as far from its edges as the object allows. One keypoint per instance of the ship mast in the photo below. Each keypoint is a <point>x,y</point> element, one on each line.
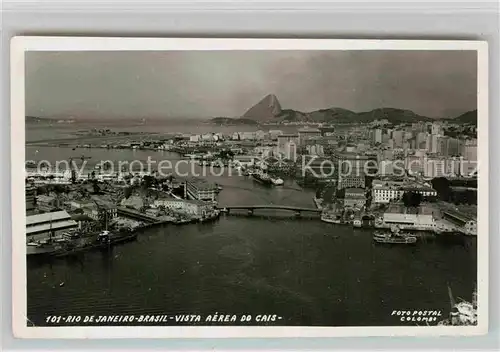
<point>452,300</point>
<point>474,297</point>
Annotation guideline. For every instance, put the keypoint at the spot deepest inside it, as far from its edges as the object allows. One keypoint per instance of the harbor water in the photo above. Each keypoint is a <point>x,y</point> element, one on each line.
<point>306,271</point>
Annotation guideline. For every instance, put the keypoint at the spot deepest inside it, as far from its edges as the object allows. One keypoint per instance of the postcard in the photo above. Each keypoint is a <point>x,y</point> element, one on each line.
<point>196,188</point>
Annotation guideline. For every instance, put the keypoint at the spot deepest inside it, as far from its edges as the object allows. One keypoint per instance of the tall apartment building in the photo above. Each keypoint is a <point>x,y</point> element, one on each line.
<point>291,151</point>
<point>377,135</point>
<point>398,138</point>
<point>470,150</point>
<point>284,140</point>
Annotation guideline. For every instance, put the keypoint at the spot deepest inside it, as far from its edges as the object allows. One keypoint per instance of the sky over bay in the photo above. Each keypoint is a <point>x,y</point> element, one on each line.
<point>226,83</point>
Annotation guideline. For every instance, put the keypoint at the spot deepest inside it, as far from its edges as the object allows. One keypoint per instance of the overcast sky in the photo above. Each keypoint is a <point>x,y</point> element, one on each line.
<point>209,84</point>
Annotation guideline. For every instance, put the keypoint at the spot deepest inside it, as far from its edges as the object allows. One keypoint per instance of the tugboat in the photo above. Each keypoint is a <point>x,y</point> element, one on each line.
<point>394,237</point>
<point>463,313</point>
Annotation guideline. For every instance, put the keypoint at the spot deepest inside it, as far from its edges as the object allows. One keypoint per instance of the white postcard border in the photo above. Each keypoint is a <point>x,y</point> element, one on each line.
<point>19,45</point>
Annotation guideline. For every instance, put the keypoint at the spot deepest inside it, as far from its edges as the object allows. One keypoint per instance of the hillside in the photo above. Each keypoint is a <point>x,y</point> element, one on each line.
<point>393,115</point>
<point>468,117</point>
<point>266,109</point>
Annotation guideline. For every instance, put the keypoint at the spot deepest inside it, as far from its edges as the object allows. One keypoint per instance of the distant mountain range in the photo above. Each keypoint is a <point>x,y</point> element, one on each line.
<point>269,110</point>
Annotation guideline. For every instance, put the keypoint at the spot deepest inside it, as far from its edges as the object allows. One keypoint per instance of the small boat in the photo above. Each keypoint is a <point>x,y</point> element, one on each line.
<point>330,219</point>
<point>393,238</point>
<point>277,181</point>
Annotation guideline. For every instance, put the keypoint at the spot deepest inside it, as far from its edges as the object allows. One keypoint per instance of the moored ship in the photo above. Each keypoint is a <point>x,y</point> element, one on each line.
<point>39,248</point>
<point>463,313</point>
<point>394,237</point>
<point>262,177</point>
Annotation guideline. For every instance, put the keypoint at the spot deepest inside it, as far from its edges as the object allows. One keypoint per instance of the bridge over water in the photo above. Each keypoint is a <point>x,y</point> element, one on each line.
<point>251,208</point>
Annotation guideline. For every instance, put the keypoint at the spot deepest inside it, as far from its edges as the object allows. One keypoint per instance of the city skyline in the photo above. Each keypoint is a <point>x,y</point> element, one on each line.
<point>210,84</point>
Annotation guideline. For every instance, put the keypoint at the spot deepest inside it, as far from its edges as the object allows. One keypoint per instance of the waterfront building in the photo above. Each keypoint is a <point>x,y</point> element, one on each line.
<point>200,189</point>
<point>386,191</point>
<point>190,207</point>
<point>154,212</point>
<point>40,226</point>
<point>354,197</point>
<point>30,197</point>
<point>96,213</point>
<point>419,220</point>
<point>305,134</point>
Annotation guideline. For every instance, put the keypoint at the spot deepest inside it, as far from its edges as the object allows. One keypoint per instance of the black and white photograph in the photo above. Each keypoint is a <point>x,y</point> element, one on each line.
<point>289,185</point>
